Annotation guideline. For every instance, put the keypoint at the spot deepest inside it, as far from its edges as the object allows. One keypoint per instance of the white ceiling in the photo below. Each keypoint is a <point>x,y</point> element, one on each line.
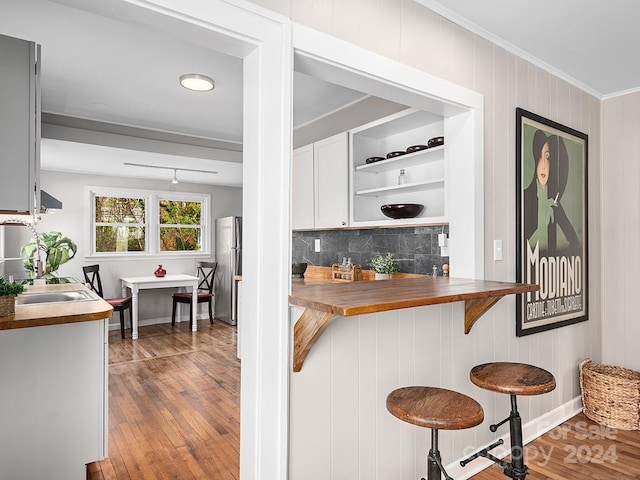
<point>591,43</point>
<point>101,69</point>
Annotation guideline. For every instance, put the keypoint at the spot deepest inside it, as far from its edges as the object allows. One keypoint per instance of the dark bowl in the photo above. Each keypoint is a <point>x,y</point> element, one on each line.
<point>402,210</point>
<point>374,159</point>
<point>435,142</point>
<point>416,148</point>
<point>298,269</point>
<point>395,154</point>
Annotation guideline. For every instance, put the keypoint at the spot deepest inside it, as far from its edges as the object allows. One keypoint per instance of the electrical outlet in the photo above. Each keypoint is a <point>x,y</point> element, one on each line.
<point>316,245</point>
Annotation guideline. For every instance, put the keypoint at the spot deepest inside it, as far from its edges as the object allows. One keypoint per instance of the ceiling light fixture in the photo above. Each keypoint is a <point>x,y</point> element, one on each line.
<point>197,82</point>
<point>175,169</point>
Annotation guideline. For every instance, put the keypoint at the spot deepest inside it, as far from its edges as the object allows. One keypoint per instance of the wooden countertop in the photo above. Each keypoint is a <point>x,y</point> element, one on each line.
<point>43,314</point>
<point>325,301</point>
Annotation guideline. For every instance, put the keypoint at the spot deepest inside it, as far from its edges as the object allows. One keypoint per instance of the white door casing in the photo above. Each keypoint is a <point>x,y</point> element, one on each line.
<point>263,39</point>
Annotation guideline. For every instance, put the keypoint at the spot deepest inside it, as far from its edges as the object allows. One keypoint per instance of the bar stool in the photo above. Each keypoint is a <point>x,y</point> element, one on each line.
<point>513,379</point>
<point>437,409</point>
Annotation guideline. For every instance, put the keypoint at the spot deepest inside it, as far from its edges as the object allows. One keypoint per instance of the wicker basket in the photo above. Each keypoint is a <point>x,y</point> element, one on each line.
<point>610,395</point>
<point>7,306</point>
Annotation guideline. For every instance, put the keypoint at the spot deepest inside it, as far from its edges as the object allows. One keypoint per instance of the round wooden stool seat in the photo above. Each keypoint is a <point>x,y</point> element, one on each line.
<point>513,378</point>
<point>435,408</point>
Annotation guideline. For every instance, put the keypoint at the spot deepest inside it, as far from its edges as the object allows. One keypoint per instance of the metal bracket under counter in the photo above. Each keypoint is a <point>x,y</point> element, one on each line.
<point>324,302</point>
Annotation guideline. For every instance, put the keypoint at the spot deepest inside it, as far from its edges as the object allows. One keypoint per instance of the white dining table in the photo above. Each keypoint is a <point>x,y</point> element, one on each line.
<point>135,284</point>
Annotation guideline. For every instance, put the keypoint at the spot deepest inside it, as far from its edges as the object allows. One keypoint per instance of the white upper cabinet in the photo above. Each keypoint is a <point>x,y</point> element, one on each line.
<point>320,190</point>
<point>19,125</point>
<point>331,170</point>
<point>375,184</point>
<point>302,201</point>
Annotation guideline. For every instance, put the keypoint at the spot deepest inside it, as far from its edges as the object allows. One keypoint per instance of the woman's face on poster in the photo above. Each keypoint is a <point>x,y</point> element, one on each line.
<point>542,167</point>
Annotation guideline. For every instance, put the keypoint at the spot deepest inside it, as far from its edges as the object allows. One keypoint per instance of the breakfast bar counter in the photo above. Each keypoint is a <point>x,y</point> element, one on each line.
<point>325,301</point>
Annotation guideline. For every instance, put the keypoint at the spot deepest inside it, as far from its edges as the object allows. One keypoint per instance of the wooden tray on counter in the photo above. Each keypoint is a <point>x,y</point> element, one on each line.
<point>354,275</point>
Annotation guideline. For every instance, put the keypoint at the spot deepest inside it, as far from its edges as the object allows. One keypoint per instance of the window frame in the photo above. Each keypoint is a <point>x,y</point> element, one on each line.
<point>152,222</point>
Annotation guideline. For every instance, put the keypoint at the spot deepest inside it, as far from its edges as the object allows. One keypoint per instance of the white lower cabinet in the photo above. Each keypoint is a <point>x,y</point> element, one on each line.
<point>53,400</point>
<point>321,184</point>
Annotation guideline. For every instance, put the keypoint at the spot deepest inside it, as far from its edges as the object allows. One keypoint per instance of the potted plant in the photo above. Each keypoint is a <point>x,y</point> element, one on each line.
<point>384,265</point>
<point>57,249</point>
<point>8,293</point>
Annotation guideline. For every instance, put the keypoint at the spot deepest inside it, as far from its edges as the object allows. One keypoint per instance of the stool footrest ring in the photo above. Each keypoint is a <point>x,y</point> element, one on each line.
<point>485,453</point>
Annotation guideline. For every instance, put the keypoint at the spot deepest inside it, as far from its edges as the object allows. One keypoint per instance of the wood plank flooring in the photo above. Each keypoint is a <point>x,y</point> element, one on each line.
<point>579,449</point>
<point>174,400</point>
<point>174,414</point>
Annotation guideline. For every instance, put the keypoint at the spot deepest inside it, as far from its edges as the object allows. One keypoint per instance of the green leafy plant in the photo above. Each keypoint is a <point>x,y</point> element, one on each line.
<point>10,289</point>
<point>57,249</point>
<point>384,263</point>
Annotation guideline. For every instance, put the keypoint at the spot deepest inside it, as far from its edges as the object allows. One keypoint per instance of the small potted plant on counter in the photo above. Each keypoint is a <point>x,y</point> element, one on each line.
<point>384,265</point>
<point>8,292</point>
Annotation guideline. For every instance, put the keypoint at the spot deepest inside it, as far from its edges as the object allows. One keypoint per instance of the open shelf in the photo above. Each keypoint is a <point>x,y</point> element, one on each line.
<point>404,161</point>
<point>406,188</point>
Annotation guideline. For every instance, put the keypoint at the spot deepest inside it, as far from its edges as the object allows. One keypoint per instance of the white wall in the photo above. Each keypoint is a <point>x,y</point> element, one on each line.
<point>426,345</point>
<point>621,230</point>
<point>72,222</point>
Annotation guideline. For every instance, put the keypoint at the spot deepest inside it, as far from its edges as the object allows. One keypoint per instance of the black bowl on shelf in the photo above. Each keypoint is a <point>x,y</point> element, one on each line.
<point>395,154</point>
<point>416,148</point>
<point>374,159</point>
<point>298,269</point>
<point>402,210</point>
<point>435,142</point>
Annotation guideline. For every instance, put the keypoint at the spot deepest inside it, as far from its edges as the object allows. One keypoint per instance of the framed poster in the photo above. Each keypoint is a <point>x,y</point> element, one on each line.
<point>551,223</point>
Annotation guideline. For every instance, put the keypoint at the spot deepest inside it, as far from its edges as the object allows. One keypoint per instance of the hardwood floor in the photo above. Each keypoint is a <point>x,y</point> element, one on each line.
<point>174,414</point>
<point>174,401</point>
<point>579,449</point>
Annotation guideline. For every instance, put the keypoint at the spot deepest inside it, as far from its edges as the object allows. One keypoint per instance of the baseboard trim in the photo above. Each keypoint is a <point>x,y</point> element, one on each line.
<point>530,431</point>
<point>114,324</point>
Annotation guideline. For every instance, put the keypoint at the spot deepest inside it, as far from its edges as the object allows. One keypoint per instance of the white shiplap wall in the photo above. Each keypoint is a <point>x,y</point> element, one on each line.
<point>621,230</point>
<point>339,425</point>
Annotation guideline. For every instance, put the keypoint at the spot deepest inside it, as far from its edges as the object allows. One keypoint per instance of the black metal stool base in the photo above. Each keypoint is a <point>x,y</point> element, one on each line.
<point>516,469</point>
<point>434,464</point>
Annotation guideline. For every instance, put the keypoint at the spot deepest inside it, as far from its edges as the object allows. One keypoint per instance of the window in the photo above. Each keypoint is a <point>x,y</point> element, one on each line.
<point>120,224</point>
<point>127,223</point>
<point>180,225</point>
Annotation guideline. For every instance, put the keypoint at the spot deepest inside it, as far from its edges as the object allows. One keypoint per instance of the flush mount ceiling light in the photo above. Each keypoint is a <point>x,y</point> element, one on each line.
<point>197,82</point>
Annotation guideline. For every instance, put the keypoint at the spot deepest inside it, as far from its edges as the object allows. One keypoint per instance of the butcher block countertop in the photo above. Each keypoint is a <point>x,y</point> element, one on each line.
<point>325,301</point>
<point>43,314</point>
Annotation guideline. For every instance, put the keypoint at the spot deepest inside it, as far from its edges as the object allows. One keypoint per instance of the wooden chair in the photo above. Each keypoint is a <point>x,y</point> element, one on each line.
<point>92,278</point>
<point>206,274</point>
<point>437,409</point>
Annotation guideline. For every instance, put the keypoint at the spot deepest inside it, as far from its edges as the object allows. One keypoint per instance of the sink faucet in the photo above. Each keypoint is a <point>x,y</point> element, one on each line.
<point>38,269</point>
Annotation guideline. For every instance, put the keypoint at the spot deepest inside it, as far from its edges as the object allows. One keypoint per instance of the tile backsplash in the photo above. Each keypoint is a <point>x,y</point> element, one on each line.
<point>416,248</point>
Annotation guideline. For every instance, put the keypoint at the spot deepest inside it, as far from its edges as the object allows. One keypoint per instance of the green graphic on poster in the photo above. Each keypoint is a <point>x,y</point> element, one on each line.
<point>551,215</point>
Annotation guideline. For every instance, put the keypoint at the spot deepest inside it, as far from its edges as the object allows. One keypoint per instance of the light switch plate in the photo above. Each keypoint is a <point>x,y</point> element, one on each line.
<point>316,245</point>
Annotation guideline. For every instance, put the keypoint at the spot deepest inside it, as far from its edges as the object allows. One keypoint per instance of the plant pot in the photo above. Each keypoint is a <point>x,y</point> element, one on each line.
<point>7,306</point>
<point>383,276</point>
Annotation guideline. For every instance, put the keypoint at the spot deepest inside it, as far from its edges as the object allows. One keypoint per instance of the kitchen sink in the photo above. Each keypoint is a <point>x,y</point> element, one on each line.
<point>56,297</point>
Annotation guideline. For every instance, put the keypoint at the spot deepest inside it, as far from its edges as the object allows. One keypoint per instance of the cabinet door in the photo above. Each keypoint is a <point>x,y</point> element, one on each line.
<point>18,122</point>
<point>332,182</point>
<point>302,200</point>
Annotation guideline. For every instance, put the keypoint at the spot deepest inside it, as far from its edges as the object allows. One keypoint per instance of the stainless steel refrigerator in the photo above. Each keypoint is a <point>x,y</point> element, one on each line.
<point>229,258</point>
